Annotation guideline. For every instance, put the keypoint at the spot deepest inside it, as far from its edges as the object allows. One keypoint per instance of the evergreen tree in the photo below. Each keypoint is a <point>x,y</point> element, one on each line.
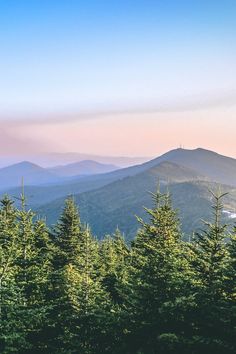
<point>24,270</point>
<point>66,238</point>
<point>114,260</point>
<point>33,267</point>
<point>231,270</point>
<point>159,275</point>
<point>114,255</point>
<point>209,262</point>
<point>67,293</point>
<point>8,290</point>
<point>67,234</point>
<point>230,282</point>
<point>89,300</point>
<point>79,302</point>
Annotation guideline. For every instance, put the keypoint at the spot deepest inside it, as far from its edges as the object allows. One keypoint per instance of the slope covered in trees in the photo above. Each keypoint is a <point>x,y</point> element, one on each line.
<point>117,203</point>
<point>64,292</point>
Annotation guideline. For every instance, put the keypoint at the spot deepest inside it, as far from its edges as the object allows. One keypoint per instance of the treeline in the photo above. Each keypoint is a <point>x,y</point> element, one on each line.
<point>64,292</point>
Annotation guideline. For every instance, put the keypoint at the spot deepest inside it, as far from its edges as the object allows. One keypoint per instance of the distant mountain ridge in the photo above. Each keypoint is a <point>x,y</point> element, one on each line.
<point>126,193</point>
<point>214,166</point>
<point>31,173</point>
<point>108,200</point>
<point>85,168</point>
<point>50,160</point>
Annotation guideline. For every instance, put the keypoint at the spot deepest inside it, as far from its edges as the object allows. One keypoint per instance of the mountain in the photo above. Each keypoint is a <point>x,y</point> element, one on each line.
<point>33,175</point>
<point>112,199</point>
<point>53,159</point>
<point>214,166</point>
<point>86,167</point>
<point>201,160</point>
<point>40,195</point>
<point>116,205</point>
<point>49,160</point>
<point>217,167</point>
<point>117,202</point>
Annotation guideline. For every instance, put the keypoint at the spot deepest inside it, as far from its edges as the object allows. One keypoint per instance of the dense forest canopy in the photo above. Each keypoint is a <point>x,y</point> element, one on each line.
<point>64,292</point>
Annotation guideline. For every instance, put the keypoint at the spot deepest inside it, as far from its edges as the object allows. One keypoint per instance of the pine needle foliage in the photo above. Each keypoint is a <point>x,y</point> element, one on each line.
<point>62,291</point>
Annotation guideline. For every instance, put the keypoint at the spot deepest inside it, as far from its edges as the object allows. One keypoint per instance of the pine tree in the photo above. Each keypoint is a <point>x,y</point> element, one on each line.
<point>114,255</point>
<point>66,238</point>
<point>67,234</point>
<point>88,298</point>
<point>114,260</point>
<point>231,271</point>
<point>8,290</point>
<point>24,259</point>
<point>209,263</point>
<point>230,284</point>
<point>159,275</point>
<point>79,302</point>
<point>43,250</point>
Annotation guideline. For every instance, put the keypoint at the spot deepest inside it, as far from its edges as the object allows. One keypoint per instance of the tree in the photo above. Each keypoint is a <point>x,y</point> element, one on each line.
<point>8,290</point>
<point>79,301</point>
<point>230,283</point>
<point>115,256</point>
<point>33,267</point>
<point>159,275</point>
<point>209,263</point>
<point>67,234</point>
<point>89,300</point>
<point>114,260</point>
<point>66,238</point>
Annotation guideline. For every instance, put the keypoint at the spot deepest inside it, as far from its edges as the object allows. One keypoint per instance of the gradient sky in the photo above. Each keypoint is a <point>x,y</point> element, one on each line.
<point>117,77</point>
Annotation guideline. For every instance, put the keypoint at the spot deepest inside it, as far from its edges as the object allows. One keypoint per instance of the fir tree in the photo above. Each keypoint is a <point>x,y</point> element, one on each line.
<point>209,261</point>
<point>114,255</point>
<point>33,267</point>
<point>114,260</point>
<point>66,238</point>
<point>159,275</point>
<point>67,234</point>
<point>8,289</point>
<point>230,284</point>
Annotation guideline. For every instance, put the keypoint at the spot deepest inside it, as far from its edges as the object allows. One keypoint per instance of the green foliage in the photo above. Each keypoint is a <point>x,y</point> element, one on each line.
<point>158,275</point>
<point>65,292</point>
<point>210,261</point>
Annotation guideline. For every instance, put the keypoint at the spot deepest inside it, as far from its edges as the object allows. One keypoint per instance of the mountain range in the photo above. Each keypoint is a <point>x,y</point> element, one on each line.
<point>85,168</point>
<point>111,199</point>
<point>48,160</point>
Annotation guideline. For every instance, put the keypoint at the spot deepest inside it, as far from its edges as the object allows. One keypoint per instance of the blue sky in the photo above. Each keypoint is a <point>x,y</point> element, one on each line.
<point>159,72</point>
<point>60,56</point>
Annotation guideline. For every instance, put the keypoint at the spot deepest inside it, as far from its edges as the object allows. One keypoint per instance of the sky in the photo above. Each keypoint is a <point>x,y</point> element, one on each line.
<point>117,77</point>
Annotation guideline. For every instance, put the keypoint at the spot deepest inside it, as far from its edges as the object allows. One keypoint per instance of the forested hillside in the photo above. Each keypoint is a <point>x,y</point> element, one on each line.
<point>112,199</point>
<point>64,292</point>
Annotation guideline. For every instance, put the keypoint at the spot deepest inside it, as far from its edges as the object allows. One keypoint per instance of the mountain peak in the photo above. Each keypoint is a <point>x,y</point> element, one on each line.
<point>33,174</point>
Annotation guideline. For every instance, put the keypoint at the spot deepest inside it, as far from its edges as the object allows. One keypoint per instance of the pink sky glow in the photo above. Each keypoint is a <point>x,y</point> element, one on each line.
<point>133,134</point>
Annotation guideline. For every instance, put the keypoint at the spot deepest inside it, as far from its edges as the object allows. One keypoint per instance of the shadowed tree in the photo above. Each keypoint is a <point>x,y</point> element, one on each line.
<point>158,277</point>
<point>209,262</point>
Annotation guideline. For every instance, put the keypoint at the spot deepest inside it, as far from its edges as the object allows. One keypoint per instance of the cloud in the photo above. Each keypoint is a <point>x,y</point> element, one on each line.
<point>194,121</point>
<point>181,104</point>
